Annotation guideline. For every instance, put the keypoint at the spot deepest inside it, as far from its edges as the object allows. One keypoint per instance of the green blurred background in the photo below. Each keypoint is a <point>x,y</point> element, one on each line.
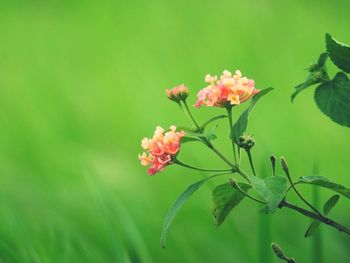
<point>82,82</point>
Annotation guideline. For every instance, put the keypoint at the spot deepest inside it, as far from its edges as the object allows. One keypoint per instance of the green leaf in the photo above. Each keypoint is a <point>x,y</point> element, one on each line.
<point>271,189</point>
<point>317,74</point>
<point>312,228</point>
<point>188,138</point>
<point>224,199</point>
<point>331,202</point>
<point>324,182</point>
<point>177,205</point>
<point>241,125</point>
<point>213,119</point>
<point>209,135</point>
<point>339,53</point>
<point>333,99</point>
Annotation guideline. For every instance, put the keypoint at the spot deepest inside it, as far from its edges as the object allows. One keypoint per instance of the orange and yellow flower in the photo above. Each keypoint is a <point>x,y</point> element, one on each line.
<point>230,89</point>
<point>160,149</point>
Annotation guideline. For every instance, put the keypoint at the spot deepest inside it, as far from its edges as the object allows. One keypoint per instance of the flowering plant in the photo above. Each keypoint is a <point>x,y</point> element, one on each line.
<point>228,92</point>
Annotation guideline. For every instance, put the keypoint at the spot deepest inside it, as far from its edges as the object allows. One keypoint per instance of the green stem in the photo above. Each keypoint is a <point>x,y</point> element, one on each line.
<point>188,116</point>
<point>251,161</point>
<point>212,147</point>
<point>243,174</point>
<point>206,141</point>
<point>239,156</point>
<point>176,161</point>
<point>312,215</point>
<point>229,113</point>
<point>317,238</point>
<point>299,194</point>
<point>191,116</point>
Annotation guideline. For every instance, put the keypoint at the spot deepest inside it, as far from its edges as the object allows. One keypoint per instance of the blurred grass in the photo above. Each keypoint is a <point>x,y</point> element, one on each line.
<point>81,82</point>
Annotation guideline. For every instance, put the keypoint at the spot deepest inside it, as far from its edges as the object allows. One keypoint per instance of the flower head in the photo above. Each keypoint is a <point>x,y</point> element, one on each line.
<point>160,149</point>
<point>230,89</point>
<point>177,94</point>
<point>245,141</point>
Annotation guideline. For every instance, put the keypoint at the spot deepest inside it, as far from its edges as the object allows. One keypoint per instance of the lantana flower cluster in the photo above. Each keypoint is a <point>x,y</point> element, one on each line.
<point>161,149</point>
<point>177,94</point>
<point>230,89</point>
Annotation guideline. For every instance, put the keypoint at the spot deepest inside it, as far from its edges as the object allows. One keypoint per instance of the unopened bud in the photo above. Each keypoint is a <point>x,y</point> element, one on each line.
<point>284,165</point>
<point>245,142</point>
<point>278,251</point>
<point>273,162</point>
<point>177,94</point>
<point>233,182</point>
<point>273,159</point>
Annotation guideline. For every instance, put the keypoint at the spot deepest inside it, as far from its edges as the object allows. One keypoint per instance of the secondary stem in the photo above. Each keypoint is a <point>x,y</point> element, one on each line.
<point>201,169</point>
<point>191,116</point>
<point>243,174</point>
<point>313,215</point>
<point>251,161</point>
<point>299,194</point>
<point>206,141</point>
<point>229,113</point>
<point>188,116</point>
<point>235,168</point>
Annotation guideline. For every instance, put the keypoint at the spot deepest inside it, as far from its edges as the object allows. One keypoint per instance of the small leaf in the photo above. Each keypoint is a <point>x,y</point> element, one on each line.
<point>271,189</point>
<point>317,74</point>
<point>324,182</point>
<point>333,99</point>
<point>187,139</point>
<point>209,135</point>
<point>312,228</point>
<point>241,125</point>
<point>339,53</point>
<point>224,199</point>
<point>213,119</point>
<point>331,202</point>
<point>177,205</point>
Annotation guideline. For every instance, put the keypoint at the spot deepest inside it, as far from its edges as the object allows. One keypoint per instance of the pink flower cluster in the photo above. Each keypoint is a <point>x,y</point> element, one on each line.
<point>160,149</point>
<point>178,93</point>
<point>230,89</point>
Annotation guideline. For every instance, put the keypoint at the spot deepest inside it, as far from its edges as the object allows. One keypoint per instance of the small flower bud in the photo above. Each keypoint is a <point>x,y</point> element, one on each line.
<point>245,142</point>
<point>278,251</point>
<point>273,162</point>
<point>273,159</point>
<point>284,165</point>
<point>233,182</point>
<point>177,94</point>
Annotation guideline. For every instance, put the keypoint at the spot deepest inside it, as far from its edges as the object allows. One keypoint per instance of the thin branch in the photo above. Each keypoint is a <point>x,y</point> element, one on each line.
<point>313,215</point>
<point>229,113</point>
<point>178,162</point>
<point>250,160</point>
<point>286,171</point>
